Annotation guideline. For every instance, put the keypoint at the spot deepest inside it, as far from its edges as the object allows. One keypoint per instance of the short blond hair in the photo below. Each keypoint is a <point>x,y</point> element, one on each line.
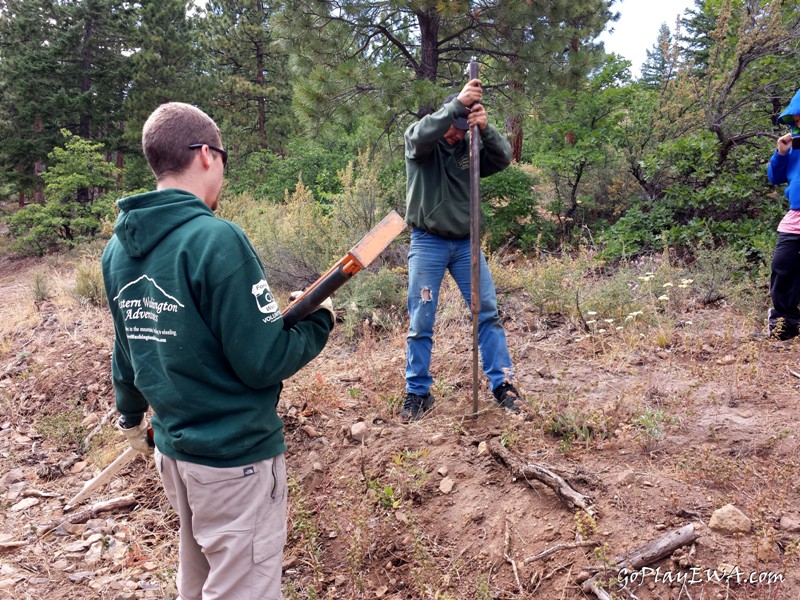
<point>170,130</point>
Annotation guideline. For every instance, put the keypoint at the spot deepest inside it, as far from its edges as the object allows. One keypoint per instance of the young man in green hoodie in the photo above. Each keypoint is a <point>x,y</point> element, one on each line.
<point>199,339</point>
<point>438,210</point>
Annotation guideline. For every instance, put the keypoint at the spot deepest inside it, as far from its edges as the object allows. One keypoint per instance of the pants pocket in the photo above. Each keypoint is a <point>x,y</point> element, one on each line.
<point>270,532</point>
<point>226,500</point>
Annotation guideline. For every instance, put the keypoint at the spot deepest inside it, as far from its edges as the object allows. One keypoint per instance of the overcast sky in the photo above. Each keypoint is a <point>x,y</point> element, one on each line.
<point>636,31</point>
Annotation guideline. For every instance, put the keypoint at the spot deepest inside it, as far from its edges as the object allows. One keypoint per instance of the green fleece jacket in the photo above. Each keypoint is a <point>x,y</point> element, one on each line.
<point>437,173</point>
<point>198,335</point>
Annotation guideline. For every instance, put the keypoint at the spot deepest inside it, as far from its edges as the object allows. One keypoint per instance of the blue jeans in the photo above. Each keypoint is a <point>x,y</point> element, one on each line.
<point>429,256</point>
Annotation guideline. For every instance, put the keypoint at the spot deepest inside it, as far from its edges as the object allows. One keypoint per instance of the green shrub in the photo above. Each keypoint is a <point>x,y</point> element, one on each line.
<point>75,206</point>
<point>512,211</point>
<point>723,273</point>
<point>268,176</point>
<point>40,287</point>
<point>705,205</point>
<point>552,282</point>
<point>302,238</point>
<point>89,283</point>
<point>375,297</point>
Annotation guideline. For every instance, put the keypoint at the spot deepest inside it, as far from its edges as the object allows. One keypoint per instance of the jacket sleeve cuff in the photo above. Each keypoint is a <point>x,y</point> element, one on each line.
<point>130,420</point>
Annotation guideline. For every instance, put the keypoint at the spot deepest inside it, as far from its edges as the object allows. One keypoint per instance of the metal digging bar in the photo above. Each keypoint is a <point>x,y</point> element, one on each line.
<point>474,241</point>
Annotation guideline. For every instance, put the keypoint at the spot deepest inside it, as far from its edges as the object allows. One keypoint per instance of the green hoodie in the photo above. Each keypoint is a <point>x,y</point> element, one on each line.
<point>437,184</point>
<point>198,334</point>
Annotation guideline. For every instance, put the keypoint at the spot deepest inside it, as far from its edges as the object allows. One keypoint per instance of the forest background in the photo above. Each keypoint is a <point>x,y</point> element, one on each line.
<point>630,243</point>
<point>313,98</point>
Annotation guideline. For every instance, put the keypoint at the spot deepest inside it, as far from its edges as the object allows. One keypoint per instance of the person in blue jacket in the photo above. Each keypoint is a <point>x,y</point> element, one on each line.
<point>783,319</point>
<point>199,339</point>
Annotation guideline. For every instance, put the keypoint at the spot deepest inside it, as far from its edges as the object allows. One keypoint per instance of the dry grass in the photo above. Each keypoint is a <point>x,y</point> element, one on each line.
<point>678,399</point>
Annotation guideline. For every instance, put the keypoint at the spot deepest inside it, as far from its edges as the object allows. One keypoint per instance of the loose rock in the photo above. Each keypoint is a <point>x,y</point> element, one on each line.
<point>729,520</point>
<point>446,485</point>
<point>359,432</point>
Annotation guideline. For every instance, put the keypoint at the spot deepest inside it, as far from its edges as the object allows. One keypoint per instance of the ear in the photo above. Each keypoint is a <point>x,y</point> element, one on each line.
<point>205,157</point>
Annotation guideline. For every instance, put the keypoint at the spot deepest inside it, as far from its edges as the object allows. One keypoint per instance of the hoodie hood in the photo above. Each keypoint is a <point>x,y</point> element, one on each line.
<point>146,219</point>
<point>792,109</point>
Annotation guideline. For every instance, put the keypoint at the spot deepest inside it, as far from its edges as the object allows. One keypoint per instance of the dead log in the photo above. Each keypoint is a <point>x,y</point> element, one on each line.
<point>92,512</point>
<point>641,557</point>
<point>529,471</point>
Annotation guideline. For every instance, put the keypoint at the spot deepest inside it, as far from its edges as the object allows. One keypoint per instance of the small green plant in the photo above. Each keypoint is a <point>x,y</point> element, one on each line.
<point>573,425</point>
<point>482,589</point>
<point>303,530</point>
<point>385,495</point>
<point>652,422</point>
<point>40,286</point>
<point>89,284</point>
<point>601,554</point>
<point>394,402</point>
<point>406,474</point>
<point>585,524</point>
<point>410,456</point>
<point>509,438</point>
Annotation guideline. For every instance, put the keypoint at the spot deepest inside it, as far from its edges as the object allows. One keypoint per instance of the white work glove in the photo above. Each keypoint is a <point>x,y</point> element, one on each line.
<point>327,304</point>
<point>137,435</point>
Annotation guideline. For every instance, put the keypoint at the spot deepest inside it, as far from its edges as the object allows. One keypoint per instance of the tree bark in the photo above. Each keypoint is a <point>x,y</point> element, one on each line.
<point>429,22</point>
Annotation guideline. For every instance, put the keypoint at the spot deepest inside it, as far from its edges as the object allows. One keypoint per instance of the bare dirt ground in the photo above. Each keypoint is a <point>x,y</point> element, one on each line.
<point>659,434</point>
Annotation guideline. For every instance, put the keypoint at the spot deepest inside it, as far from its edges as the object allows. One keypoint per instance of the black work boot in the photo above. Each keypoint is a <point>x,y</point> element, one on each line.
<point>415,406</point>
<point>507,396</point>
<point>779,328</point>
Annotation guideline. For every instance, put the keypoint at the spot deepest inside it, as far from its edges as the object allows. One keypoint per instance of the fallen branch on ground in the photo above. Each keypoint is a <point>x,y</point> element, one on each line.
<point>559,547</point>
<point>507,556</point>
<point>533,471</point>
<point>12,545</point>
<point>641,557</point>
<point>89,513</point>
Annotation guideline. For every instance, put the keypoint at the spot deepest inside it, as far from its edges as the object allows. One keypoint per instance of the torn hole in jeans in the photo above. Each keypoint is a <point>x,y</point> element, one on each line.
<point>425,295</point>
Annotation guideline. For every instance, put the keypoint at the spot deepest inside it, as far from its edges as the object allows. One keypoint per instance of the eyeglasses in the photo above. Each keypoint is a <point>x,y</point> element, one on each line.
<point>223,153</point>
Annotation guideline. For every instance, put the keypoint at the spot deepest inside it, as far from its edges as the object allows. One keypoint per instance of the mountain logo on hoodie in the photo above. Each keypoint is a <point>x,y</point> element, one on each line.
<point>264,298</point>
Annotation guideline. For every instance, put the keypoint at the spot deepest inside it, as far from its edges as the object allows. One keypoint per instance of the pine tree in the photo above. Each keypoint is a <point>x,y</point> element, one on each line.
<point>252,94</point>
<point>94,42</point>
<point>395,61</point>
<point>63,64</point>
<point>29,93</point>
<point>660,66</point>
<point>166,65</point>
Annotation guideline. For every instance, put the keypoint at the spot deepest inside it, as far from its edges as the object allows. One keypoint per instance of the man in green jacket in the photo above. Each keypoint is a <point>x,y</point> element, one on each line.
<point>199,339</point>
<point>438,210</point>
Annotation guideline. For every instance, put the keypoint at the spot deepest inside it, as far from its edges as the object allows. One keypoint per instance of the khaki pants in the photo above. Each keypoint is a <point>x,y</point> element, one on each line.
<point>232,528</point>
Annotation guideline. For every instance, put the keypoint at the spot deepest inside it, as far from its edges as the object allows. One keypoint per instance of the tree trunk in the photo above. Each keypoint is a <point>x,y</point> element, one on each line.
<point>514,126</point>
<point>120,165</point>
<point>429,22</point>
<point>85,124</point>
<point>262,110</point>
